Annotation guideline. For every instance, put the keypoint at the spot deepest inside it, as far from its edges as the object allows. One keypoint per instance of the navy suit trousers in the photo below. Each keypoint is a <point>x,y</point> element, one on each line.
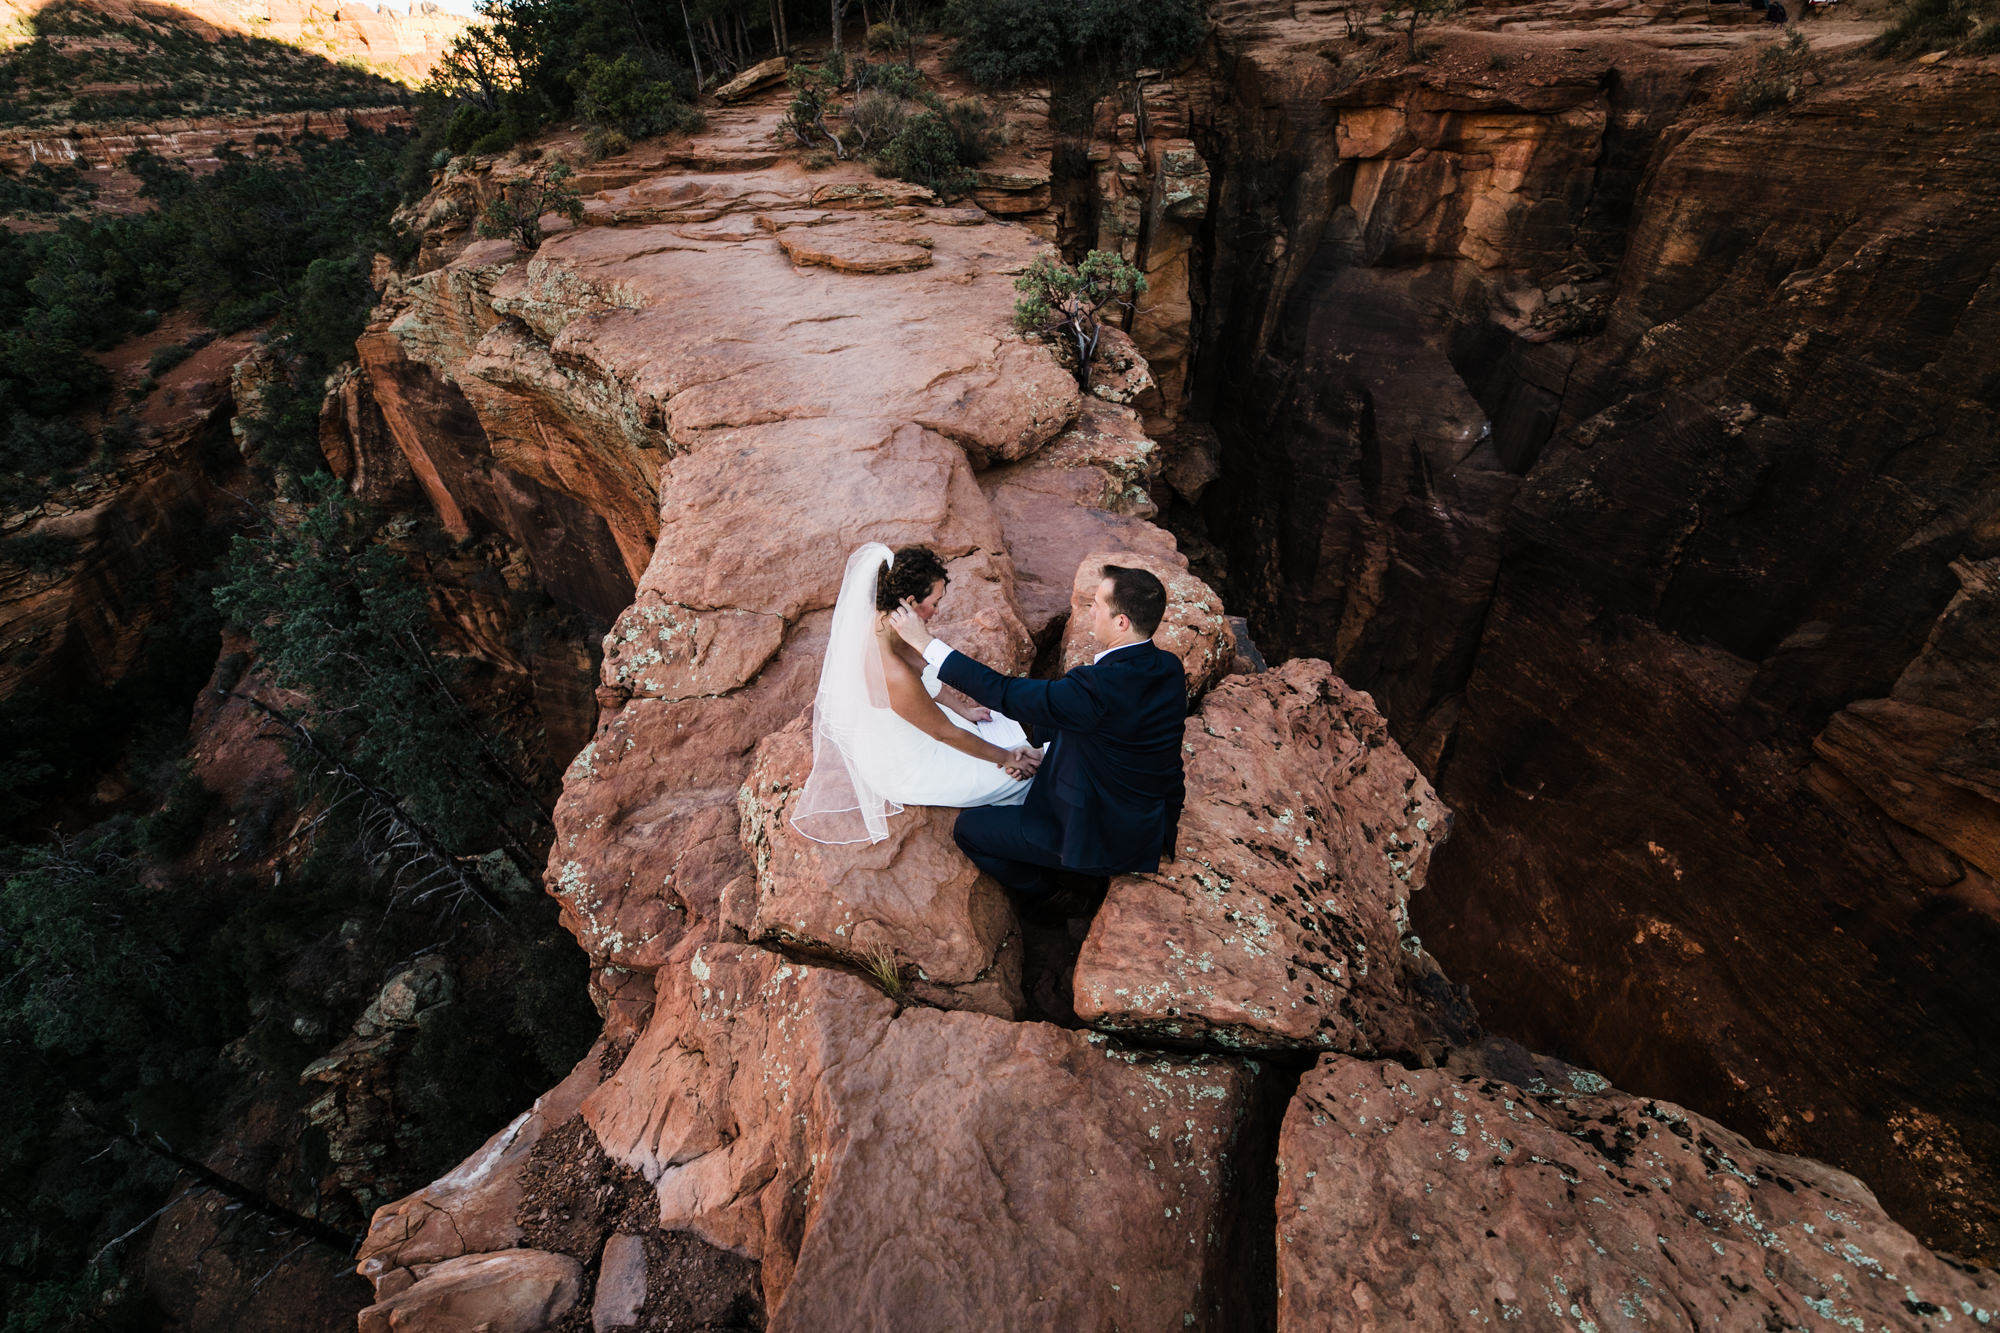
<point>992,838</point>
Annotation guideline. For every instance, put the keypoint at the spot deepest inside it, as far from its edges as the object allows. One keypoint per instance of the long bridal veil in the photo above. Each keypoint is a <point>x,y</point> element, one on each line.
<point>839,804</point>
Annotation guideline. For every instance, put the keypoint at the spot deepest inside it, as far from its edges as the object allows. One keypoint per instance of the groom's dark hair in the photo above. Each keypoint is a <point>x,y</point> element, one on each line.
<point>911,573</point>
<point>1138,596</point>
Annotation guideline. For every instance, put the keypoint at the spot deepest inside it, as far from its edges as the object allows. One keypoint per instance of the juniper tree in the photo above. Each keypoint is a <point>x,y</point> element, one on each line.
<point>1068,303</point>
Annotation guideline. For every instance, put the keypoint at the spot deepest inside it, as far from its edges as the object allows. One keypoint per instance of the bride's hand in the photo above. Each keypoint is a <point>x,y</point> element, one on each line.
<point>1022,761</point>
<point>906,622</point>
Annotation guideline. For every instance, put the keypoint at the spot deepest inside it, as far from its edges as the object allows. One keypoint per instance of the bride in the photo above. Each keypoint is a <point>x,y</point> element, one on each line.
<point>881,739</point>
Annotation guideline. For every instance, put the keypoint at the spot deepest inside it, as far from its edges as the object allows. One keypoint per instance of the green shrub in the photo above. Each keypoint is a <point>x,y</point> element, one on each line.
<point>924,151</point>
<point>619,94</point>
<point>875,118</point>
<point>1066,304</point>
<point>895,79</point>
<point>471,124</point>
<point>32,447</point>
<point>1968,26</point>
<point>244,312</point>
<point>1779,76</point>
<point>600,142</point>
<point>974,134</point>
<point>1000,41</point>
<point>497,141</point>
<point>41,552</point>
<point>172,830</point>
<point>165,357</point>
<point>814,91</point>
<point>887,37</point>
<point>518,210</point>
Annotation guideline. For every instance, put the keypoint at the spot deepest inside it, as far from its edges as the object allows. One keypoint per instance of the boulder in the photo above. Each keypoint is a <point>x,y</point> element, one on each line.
<point>663,650</point>
<point>1283,923</point>
<point>928,1169</point>
<point>1417,1199</point>
<point>1085,491</point>
<point>621,1284</point>
<point>911,902</point>
<point>1194,628</point>
<point>513,1291</point>
<point>759,76</point>
<point>646,826</point>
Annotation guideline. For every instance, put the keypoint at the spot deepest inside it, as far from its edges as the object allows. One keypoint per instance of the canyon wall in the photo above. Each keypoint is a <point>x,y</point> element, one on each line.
<point>1636,453</point>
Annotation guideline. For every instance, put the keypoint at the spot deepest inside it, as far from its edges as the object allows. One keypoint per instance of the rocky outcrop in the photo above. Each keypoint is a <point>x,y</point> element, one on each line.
<point>128,530</point>
<point>912,903</point>
<point>196,142</point>
<point>881,1165</point>
<point>1283,923</point>
<point>510,1291</point>
<point>1414,1197</point>
<point>1600,433</point>
<point>355,1083</point>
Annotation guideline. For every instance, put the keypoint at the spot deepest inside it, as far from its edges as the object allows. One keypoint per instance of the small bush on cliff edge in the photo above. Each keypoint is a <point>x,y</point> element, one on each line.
<point>522,203</point>
<point>1066,304</point>
<point>1780,75</point>
<point>924,151</point>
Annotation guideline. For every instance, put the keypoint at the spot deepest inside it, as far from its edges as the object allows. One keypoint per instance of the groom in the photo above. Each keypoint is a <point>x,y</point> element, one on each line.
<point>1107,800</point>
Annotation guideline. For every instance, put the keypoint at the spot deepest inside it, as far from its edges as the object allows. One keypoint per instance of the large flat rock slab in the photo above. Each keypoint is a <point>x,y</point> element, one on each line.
<point>1421,1199</point>
<point>928,1170</point>
<point>1283,923</point>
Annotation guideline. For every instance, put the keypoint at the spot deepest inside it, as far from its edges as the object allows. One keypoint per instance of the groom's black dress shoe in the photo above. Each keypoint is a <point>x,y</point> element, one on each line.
<point>1075,896</point>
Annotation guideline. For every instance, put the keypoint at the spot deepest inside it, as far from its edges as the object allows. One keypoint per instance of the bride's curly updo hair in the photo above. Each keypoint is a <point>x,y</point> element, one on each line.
<point>911,575</point>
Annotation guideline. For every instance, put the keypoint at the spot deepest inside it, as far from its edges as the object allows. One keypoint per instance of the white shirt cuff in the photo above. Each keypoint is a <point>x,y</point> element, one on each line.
<point>936,651</point>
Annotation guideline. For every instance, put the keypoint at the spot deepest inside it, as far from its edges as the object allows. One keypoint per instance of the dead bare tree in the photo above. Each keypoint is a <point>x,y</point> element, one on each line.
<point>388,825</point>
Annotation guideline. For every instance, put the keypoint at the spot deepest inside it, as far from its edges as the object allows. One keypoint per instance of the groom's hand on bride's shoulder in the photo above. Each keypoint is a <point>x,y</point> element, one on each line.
<point>906,622</point>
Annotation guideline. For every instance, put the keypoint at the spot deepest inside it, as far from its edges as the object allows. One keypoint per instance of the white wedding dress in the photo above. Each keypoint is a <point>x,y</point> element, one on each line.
<point>868,763</point>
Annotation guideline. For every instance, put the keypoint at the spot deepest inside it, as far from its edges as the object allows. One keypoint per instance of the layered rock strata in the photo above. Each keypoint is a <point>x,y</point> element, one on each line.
<point>1632,452</point>
<point>402,43</point>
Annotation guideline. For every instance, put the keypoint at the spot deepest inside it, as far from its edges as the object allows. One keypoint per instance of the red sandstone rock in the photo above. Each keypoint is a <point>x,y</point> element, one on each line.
<point>1194,628</point>
<point>857,248</point>
<point>912,900</point>
<point>1085,491</point>
<point>471,1210</point>
<point>402,44</point>
<point>929,1170</point>
<point>754,79</point>
<point>646,829</point>
<point>1284,921</point>
<point>1421,1199</point>
<point>512,1291</point>
<point>664,651</point>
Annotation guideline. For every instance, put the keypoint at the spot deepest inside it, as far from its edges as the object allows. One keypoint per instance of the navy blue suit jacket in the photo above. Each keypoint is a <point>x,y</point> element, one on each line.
<point>1107,799</point>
